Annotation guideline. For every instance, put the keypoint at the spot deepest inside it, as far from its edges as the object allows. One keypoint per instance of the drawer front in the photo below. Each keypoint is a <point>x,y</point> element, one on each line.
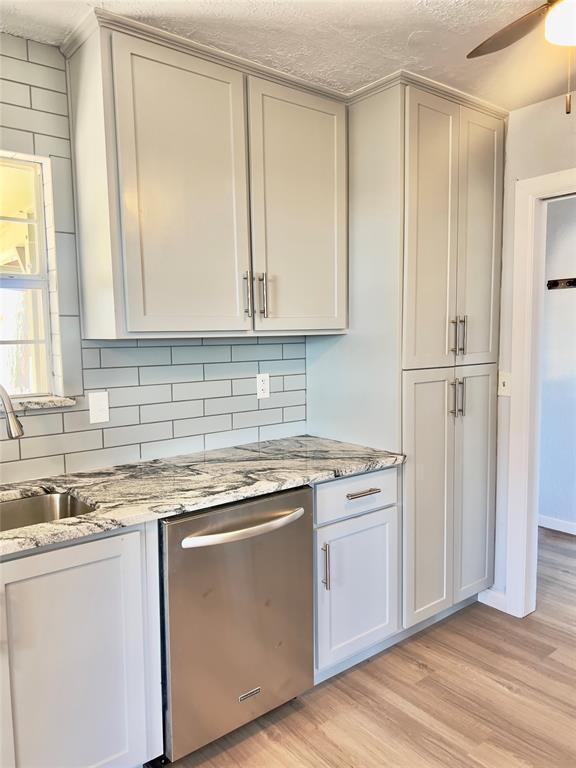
<point>349,496</point>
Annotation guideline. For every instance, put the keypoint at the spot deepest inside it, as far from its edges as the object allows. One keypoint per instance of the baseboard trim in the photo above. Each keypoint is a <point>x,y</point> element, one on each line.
<point>556,524</point>
<point>495,598</point>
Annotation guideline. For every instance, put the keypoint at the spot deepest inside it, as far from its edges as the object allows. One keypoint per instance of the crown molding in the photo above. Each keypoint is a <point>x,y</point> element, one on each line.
<point>97,18</point>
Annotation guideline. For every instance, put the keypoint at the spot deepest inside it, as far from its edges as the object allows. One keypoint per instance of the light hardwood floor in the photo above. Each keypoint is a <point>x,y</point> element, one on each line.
<point>480,690</point>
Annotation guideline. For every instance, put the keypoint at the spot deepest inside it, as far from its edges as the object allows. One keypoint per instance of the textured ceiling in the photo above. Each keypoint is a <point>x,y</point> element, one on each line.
<point>343,44</point>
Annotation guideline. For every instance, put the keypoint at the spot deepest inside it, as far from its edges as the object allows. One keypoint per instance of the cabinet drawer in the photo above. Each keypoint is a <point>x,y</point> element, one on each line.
<point>338,499</point>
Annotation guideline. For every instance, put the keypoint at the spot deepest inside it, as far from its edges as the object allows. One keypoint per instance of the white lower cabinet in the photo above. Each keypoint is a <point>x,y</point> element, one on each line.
<point>357,584</point>
<point>73,658</point>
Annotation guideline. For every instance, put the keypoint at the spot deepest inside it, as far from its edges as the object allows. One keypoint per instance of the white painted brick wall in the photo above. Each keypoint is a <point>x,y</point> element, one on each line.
<point>167,397</point>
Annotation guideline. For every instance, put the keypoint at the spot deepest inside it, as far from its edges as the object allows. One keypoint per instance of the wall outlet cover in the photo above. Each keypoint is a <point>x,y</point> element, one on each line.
<point>262,385</point>
<point>99,407</point>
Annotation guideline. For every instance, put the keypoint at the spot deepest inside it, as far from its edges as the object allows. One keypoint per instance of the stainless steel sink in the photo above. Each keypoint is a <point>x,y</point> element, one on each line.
<point>40,509</point>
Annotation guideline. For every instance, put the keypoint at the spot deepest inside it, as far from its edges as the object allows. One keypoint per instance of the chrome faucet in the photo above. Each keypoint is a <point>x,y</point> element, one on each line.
<point>13,426</point>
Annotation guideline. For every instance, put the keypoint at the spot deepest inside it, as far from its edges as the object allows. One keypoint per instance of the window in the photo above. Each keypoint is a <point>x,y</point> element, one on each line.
<point>25,357</point>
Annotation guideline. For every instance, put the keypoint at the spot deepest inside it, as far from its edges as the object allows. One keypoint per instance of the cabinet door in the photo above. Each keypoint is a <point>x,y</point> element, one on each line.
<point>72,659</point>
<point>475,480</point>
<point>183,184</point>
<point>428,442</point>
<point>479,235</point>
<point>357,584</point>
<point>430,259</point>
<point>298,191</point>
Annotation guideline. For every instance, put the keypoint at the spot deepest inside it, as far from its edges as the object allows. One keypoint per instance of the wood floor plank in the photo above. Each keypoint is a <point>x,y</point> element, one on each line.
<point>479,690</point>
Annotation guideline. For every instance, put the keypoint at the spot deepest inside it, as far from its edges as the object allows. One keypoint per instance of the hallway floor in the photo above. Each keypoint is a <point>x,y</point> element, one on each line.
<point>479,690</point>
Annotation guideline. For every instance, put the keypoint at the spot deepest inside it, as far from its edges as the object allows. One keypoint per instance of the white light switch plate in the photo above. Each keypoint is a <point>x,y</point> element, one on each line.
<point>504,384</point>
<point>98,406</point>
<point>262,385</point>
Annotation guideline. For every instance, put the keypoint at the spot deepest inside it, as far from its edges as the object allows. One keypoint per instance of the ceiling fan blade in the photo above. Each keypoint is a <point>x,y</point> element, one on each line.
<point>513,32</point>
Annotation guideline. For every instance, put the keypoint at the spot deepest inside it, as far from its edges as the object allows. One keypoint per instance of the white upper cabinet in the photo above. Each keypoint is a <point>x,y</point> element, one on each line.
<point>453,232</point>
<point>298,192</point>
<point>165,154</point>
<point>432,127</point>
<point>479,236</point>
<point>180,125</point>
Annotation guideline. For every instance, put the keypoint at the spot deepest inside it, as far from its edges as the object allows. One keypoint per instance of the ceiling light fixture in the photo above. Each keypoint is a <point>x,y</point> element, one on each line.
<point>560,23</point>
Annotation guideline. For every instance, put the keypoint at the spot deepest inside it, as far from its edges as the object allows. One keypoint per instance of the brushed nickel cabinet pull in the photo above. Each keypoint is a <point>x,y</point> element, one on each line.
<point>462,339</point>
<point>248,295</point>
<point>263,283</point>
<point>361,494</point>
<point>456,324</point>
<point>462,407</point>
<point>454,409</point>
<point>326,579</point>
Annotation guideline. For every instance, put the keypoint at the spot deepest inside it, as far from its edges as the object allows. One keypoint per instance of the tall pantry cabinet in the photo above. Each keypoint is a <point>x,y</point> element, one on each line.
<point>418,370</point>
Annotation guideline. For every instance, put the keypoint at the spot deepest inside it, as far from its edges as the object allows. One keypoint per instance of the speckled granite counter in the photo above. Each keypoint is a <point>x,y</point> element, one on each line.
<point>135,493</point>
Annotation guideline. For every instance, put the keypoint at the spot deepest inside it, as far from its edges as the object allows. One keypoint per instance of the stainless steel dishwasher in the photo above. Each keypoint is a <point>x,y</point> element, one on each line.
<point>238,615</point>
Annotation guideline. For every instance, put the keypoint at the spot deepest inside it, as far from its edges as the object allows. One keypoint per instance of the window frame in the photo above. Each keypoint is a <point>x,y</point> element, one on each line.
<point>41,281</point>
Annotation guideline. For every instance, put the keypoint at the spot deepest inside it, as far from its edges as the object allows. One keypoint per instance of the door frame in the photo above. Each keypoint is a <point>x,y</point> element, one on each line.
<point>529,262</point>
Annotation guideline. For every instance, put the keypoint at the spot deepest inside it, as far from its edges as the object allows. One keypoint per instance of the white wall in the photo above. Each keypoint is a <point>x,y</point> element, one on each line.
<point>541,139</point>
<point>557,505</point>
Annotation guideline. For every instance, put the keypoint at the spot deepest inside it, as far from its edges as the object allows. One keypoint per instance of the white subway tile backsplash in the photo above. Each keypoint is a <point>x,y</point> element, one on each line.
<point>184,409</point>
<point>114,357</point>
<point>203,425</point>
<point>295,413</point>
<point>16,471</point>
<point>230,404</point>
<point>102,378</point>
<point>51,146</point>
<point>32,447</point>
<point>32,74</point>
<point>170,374</point>
<point>284,399</point>
<point>105,457</point>
<point>140,433</point>
<point>139,395</point>
<point>175,447</point>
<point>10,45</point>
<point>49,101</point>
<point>16,141</point>
<point>257,352</point>
<point>294,350</point>
<point>278,431</point>
<point>295,382</point>
<point>201,389</point>
<point>283,367</point>
<point>119,417</point>
<point>48,55</point>
<point>230,370</point>
<point>9,451</point>
<point>14,93</point>
<point>33,120</point>
<point>200,354</point>
<point>257,418</point>
<point>91,358</point>
<point>36,425</point>
<point>230,438</point>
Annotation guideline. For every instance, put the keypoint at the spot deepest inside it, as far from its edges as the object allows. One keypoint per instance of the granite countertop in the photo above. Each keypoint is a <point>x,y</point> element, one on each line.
<point>149,490</point>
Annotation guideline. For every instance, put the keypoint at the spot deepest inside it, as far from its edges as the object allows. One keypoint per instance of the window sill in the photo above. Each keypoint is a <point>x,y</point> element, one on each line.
<point>39,403</point>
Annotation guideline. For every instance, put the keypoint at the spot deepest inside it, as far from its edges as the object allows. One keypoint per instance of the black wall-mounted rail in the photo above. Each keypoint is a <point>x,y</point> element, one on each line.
<point>565,282</point>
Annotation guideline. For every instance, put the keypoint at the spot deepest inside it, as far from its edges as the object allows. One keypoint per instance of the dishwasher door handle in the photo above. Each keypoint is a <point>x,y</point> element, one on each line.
<point>226,537</point>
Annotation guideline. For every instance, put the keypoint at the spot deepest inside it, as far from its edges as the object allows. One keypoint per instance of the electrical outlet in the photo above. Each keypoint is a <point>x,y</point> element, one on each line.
<point>262,385</point>
<point>504,384</point>
<point>98,407</point>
